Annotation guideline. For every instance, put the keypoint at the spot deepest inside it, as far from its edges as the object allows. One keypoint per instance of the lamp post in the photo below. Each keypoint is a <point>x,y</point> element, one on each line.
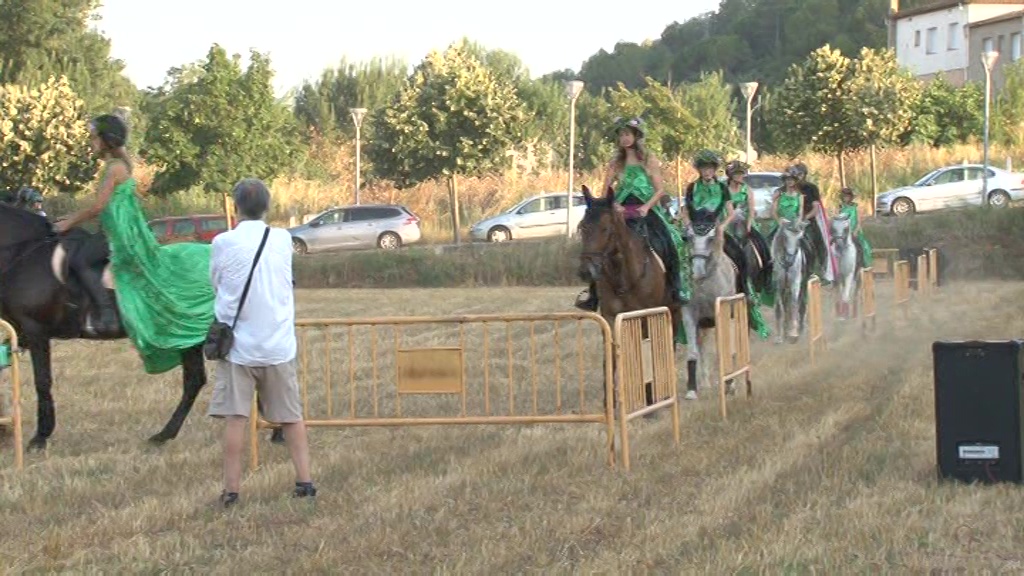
<point>748,89</point>
<point>988,60</point>
<point>357,117</point>
<point>572,90</point>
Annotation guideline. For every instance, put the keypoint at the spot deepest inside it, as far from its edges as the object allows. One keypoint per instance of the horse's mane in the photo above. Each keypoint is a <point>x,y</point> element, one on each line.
<point>17,226</point>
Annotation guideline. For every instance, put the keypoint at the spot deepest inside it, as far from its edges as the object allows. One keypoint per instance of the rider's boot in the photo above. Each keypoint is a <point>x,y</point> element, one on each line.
<point>590,303</point>
<point>106,308</point>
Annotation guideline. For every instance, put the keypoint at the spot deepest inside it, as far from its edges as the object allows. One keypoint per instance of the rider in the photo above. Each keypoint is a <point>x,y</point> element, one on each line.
<point>788,203</point>
<point>743,205</point>
<point>813,212</point>
<point>636,174</point>
<point>848,207</point>
<point>30,199</point>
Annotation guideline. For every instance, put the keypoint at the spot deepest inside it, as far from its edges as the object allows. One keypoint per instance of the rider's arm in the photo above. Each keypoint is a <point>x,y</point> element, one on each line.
<point>802,206</point>
<point>775,205</point>
<point>654,172</point>
<point>116,173</point>
<point>609,178</point>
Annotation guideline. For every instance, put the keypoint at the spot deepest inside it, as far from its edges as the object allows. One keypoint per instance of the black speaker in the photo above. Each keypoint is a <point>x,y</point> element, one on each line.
<point>978,408</point>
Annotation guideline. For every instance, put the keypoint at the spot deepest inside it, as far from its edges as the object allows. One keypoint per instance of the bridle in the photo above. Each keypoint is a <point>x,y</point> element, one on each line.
<point>606,256</point>
<point>789,258</point>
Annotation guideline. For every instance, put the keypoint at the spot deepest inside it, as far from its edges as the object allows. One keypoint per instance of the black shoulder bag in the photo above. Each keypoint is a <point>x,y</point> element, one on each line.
<point>221,336</point>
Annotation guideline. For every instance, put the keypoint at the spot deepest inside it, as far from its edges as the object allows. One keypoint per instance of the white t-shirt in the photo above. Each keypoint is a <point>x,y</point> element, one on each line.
<point>265,333</point>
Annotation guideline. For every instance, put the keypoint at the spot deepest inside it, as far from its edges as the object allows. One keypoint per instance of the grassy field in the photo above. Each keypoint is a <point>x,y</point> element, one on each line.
<point>827,469</point>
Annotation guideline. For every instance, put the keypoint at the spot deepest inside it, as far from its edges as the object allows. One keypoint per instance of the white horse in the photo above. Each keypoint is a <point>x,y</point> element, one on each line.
<point>845,249</point>
<point>714,275</point>
<point>790,263</point>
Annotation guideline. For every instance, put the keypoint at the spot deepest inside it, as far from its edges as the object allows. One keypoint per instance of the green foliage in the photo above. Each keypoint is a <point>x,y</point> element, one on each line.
<point>946,114</point>
<point>710,101</point>
<point>452,117</point>
<point>44,38</point>
<point>1009,110</point>
<point>44,138</point>
<point>810,109</point>
<point>214,124</point>
<point>881,98</point>
<point>322,107</point>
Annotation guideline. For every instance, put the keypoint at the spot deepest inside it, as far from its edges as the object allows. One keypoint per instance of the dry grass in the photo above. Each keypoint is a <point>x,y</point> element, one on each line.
<point>829,468</point>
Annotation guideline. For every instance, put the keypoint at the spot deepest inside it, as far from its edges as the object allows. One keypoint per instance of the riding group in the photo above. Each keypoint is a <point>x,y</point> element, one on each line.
<point>636,256</point>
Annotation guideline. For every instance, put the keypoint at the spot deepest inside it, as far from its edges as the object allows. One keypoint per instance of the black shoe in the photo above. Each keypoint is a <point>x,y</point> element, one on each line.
<point>228,499</point>
<point>303,490</point>
<point>108,323</point>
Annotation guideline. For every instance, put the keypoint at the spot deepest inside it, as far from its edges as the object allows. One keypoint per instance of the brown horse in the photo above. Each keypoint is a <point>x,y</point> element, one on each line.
<point>626,271</point>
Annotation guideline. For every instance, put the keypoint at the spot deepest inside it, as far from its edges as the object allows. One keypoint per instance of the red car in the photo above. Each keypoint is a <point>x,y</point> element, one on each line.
<point>197,228</point>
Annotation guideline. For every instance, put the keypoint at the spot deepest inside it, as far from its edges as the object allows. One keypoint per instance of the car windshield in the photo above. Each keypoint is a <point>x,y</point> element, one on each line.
<point>927,177</point>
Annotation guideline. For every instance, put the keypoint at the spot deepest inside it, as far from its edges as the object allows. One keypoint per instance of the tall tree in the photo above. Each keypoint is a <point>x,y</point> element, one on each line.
<point>946,114</point>
<point>214,124</point>
<point>452,117</point>
<point>322,107</point>
<point>1009,110</point>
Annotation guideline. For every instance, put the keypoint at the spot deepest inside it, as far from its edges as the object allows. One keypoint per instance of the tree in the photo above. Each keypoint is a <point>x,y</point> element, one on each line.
<point>946,114</point>
<point>1009,111</point>
<point>711,101</point>
<point>44,138</point>
<point>43,38</point>
<point>214,124</point>
<point>451,118</point>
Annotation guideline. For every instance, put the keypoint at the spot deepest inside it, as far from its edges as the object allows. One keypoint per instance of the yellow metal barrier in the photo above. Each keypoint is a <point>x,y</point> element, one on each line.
<point>867,295</point>
<point>923,284</point>
<point>645,369</point>
<point>885,259</point>
<point>933,269</point>
<point>475,369</point>
<point>732,338</point>
<point>9,371</point>
<point>815,327</point>
<point>901,286</point>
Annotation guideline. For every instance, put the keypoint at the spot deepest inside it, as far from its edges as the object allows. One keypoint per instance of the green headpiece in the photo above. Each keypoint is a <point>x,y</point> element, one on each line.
<point>635,123</point>
<point>706,158</point>
<point>736,167</point>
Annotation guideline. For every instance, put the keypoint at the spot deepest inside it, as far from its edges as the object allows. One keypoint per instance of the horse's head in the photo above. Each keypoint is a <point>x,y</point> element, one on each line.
<point>704,242</point>
<point>17,226</point>
<point>599,233</point>
<point>841,229</point>
<point>789,235</point>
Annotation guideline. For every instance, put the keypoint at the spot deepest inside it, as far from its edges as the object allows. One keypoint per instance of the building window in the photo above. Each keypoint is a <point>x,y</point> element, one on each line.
<point>931,39</point>
<point>1015,46</point>
<point>987,45</point>
<point>917,38</point>
<point>952,39</point>
<point>999,44</point>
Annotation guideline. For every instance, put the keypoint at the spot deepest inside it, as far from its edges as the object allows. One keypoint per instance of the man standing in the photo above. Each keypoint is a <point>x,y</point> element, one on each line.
<point>263,354</point>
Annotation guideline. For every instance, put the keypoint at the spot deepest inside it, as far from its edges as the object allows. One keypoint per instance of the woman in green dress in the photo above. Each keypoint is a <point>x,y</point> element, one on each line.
<point>164,294</point>
<point>635,176</point>
<point>788,203</point>
<point>848,206</point>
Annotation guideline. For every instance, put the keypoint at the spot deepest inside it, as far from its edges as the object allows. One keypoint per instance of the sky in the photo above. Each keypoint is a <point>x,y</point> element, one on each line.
<point>303,37</point>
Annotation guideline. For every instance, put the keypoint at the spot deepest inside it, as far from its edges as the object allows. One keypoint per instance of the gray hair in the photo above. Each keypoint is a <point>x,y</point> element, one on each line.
<point>252,198</point>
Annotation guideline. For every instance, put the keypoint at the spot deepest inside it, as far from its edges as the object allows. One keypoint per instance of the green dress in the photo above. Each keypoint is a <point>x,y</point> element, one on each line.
<point>789,206</point>
<point>865,248</point>
<point>164,293</point>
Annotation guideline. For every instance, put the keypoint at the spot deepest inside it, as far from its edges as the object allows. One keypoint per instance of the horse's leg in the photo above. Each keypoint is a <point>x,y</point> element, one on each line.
<point>780,309</point>
<point>46,415</point>
<point>692,349</point>
<point>193,372</point>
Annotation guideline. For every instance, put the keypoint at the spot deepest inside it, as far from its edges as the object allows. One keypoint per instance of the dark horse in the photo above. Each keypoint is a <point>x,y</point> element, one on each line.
<point>618,257</point>
<point>43,307</point>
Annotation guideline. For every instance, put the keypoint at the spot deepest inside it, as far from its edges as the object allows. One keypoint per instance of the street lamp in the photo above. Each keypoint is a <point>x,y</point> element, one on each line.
<point>988,60</point>
<point>748,89</point>
<point>572,90</point>
<point>357,117</point>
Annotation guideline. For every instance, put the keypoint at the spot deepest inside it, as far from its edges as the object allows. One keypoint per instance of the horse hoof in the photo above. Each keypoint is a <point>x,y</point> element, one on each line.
<point>691,395</point>
<point>37,444</point>
<point>277,437</point>
<point>159,439</point>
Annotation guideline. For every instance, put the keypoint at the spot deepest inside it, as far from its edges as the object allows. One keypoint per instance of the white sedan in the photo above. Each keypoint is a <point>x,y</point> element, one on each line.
<point>952,187</point>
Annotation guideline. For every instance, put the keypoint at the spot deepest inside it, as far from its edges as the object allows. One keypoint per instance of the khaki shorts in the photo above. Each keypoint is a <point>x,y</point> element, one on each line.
<point>278,392</point>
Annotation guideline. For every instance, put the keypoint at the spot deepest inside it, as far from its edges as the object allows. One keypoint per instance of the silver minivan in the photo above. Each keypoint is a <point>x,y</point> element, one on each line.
<point>540,216</point>
<point>384,226</point>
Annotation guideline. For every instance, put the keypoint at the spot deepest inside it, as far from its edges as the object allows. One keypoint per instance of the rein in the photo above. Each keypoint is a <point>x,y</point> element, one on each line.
<point>606,256</point>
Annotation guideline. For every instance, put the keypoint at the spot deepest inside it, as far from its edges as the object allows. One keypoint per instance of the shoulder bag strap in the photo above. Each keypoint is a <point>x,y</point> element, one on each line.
<point>248,281</point>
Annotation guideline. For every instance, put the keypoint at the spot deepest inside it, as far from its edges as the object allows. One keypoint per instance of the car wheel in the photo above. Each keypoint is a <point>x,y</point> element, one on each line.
<point>298,246</point>
<point>389,241</point>
<point>998,199</point>
<point>499,234</point>
<point>902,207</point>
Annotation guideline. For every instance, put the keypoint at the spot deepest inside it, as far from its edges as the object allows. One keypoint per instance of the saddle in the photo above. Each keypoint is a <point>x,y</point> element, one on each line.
<point>659,244</point>
<point>60,263</point>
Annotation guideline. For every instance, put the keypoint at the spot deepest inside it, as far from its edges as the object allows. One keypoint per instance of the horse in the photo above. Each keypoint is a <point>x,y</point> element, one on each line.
<point>846,250</point>
<point>627,271</point>
<point>790,275</point>
<point>714,275</point>
<point>43,303</point>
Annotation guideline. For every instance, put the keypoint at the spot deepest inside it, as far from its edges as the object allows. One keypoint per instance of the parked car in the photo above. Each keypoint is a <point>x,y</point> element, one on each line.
<point>952,187</point>
<point>197,228</point>
<point>761,184</point>
<point>384,226</point>
<point>540,216</point>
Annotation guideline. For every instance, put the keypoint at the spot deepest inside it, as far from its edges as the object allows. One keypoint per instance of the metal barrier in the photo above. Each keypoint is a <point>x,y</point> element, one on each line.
<point>428,377</point>
<point>901,286</point>
<point>732,338</point>
<point>9,367</point>
<point>885,259</point>
<point>645,369</point>
<point>815,327</point>
<point>923,276</point>
<point>933,269</point>
<point>867,295</point>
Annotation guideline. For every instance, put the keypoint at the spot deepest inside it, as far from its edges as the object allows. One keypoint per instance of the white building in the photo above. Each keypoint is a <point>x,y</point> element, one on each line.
<point>934,39</point>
